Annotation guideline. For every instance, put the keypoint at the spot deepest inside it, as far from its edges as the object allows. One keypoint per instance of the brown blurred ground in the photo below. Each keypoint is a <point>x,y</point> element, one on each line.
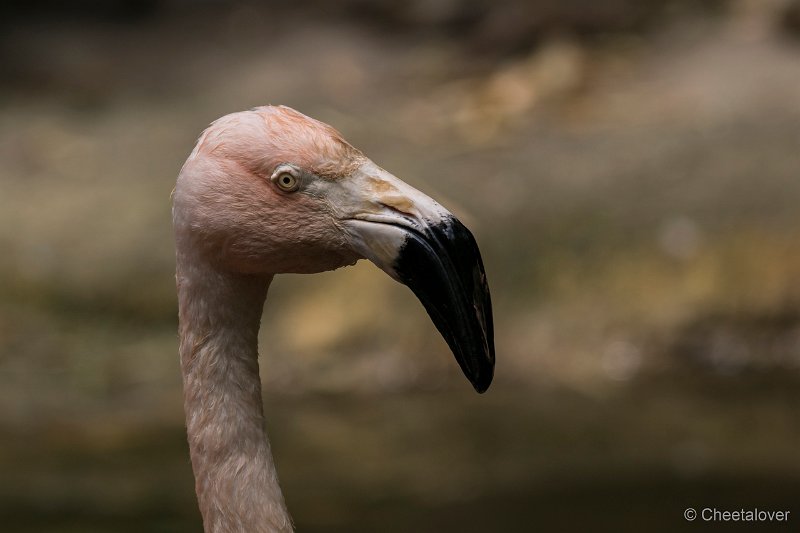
<point>630,170</point>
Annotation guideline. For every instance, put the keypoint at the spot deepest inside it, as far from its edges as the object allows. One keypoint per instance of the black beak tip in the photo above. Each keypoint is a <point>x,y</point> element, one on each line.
<point>481,384</point>
<point>442,265</point>
<point>481,377</point>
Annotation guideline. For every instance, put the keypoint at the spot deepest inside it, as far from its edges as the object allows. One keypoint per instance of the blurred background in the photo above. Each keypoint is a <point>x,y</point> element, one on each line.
<point>629,168</point>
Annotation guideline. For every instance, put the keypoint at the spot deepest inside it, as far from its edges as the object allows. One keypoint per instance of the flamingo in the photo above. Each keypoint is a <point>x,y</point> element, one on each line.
<point>269,191</point>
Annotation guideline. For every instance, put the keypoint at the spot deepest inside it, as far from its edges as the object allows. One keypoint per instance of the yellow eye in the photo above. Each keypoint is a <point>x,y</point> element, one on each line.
<point>286,181</point>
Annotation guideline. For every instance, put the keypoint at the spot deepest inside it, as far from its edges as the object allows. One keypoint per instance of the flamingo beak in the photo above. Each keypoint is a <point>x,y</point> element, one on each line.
<point>422,245</point>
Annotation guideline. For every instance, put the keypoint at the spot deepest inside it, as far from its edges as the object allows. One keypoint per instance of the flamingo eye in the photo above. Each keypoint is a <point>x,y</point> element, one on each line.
<point>286,181</point>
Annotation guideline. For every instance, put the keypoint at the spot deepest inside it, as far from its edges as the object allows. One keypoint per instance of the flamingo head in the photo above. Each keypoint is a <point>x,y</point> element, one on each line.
<point>271,191</point>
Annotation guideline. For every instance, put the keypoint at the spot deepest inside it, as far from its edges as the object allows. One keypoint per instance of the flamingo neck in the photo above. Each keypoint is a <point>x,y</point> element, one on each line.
<point>235,478</point>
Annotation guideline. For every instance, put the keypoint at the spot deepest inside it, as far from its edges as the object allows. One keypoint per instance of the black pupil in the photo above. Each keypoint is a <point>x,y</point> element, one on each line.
<point>286,180</point>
